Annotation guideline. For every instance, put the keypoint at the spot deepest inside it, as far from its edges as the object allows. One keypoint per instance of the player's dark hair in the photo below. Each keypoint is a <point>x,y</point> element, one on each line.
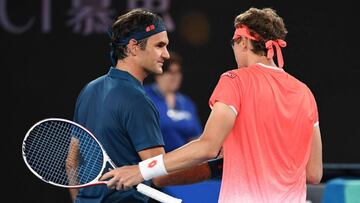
<point>135,20</point>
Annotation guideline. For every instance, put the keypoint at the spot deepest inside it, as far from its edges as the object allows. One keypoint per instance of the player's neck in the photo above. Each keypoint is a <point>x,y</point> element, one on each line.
<point>132,68</point>
<point>261,59</point>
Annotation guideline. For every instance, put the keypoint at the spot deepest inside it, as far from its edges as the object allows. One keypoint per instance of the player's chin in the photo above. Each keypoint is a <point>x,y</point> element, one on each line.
<point>159,69</point>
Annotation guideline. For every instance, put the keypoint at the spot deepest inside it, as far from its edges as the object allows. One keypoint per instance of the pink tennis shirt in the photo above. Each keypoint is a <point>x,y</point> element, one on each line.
<point>266,153</point>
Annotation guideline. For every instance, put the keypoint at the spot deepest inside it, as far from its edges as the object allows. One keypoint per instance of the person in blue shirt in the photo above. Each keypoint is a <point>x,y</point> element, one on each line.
<point>115,107</point>
<point>179,121</point>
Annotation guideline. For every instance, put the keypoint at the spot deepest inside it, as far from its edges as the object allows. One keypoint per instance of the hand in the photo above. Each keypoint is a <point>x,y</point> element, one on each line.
<point>123,178</point>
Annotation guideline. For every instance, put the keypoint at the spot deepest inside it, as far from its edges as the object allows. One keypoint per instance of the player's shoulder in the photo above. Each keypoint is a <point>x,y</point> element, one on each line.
<point>233,73</point>
<point>299,84</point>
<point>298,81</point>
<point>237,73</point>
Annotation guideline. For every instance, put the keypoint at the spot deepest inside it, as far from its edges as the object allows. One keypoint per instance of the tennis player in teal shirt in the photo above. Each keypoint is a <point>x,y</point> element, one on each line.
<point>115,107</point>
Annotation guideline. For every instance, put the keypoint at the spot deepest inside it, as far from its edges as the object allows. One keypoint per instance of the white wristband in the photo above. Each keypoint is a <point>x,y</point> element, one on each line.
<point>153,167</point>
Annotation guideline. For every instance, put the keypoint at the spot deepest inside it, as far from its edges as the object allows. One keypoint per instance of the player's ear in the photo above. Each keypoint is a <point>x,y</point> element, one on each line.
<point>242,42</point>
<point>246,43</point>
<point>133,47</point>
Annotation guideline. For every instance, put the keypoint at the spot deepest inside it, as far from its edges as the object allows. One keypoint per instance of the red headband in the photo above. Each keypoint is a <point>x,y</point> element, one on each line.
<point>243,31</point>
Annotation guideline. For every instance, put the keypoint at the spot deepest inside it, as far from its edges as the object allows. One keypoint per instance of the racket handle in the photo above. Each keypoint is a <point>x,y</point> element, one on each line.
<point>156,194</point>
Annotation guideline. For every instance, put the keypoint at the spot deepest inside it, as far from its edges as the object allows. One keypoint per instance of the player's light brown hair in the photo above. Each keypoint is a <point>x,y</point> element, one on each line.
<point>266,23</point>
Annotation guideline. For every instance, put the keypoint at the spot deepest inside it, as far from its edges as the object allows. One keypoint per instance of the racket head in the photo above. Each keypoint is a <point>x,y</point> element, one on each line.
<point>64,153</point>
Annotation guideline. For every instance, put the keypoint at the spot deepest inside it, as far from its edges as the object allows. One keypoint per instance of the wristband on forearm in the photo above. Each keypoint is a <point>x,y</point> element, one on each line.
<point>216,168</point>
<point>152,167</point>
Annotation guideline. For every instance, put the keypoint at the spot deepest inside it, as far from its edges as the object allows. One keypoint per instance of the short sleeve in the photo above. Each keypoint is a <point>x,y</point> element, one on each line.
<point>143,125</point>
<point>227,91</point>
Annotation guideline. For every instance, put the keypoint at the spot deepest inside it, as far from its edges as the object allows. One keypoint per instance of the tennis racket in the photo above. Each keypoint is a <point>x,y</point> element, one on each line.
<point>65,154</point>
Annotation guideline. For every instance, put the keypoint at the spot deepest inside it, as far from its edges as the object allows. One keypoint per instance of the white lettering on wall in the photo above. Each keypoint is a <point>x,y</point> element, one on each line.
<point>8,25</point>
<point>160,7</point>
<point>19,29</point>
<point>86,16</point>
<point>90,16</point>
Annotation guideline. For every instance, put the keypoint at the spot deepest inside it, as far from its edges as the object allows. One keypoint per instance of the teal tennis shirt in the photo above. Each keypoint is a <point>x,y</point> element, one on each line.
<point>115,108</point>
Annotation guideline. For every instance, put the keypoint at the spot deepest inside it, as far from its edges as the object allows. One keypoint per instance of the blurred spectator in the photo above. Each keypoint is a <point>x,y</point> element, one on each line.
<point>179,119</point>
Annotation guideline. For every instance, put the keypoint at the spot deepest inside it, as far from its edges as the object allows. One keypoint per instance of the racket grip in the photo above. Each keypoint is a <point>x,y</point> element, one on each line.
<point>156,194</point>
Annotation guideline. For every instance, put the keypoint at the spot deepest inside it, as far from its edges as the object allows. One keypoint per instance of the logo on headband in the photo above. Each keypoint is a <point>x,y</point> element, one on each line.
<point>152,29</point>
<point>149,28</point>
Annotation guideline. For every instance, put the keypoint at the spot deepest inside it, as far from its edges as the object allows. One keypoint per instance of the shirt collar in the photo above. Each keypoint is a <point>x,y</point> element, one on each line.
<point>124,75</point>
<point>270,67</point>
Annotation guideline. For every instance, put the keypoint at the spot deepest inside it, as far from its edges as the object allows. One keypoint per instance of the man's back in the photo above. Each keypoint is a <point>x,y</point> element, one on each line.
<point>266,153</point>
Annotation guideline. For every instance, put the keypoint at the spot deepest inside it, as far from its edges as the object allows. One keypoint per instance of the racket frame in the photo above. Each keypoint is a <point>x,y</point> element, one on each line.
<point>95,181</point>
<point>142,188</point>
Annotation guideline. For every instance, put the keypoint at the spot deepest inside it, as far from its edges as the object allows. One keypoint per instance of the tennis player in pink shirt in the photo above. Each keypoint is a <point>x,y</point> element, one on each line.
<point>265,120</point>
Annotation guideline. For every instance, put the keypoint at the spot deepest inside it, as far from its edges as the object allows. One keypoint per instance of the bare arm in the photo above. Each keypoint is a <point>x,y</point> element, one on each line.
<point>209,170</point>
<point>151,152</point>
<point>72,162</point>
<point>218,126</point>
<point>184,177</point>
<point>314,167</point>
<point>188,176</point>
<point>192,175</point>
<point>73,193</point>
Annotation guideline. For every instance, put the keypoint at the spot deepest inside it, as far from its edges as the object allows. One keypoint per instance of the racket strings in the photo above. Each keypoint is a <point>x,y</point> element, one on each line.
<point>46,152</point>
<point>94,158</point>
<point>57,144</point>
<point>92,161</point>
<point>49,153</point>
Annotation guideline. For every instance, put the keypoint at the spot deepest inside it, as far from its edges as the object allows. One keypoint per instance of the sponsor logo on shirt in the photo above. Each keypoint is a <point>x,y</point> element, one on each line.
<point>229,74</point>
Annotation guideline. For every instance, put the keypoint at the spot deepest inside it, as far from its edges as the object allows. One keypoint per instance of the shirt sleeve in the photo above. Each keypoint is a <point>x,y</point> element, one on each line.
<point>227,91</point>
<point>143,125</point>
